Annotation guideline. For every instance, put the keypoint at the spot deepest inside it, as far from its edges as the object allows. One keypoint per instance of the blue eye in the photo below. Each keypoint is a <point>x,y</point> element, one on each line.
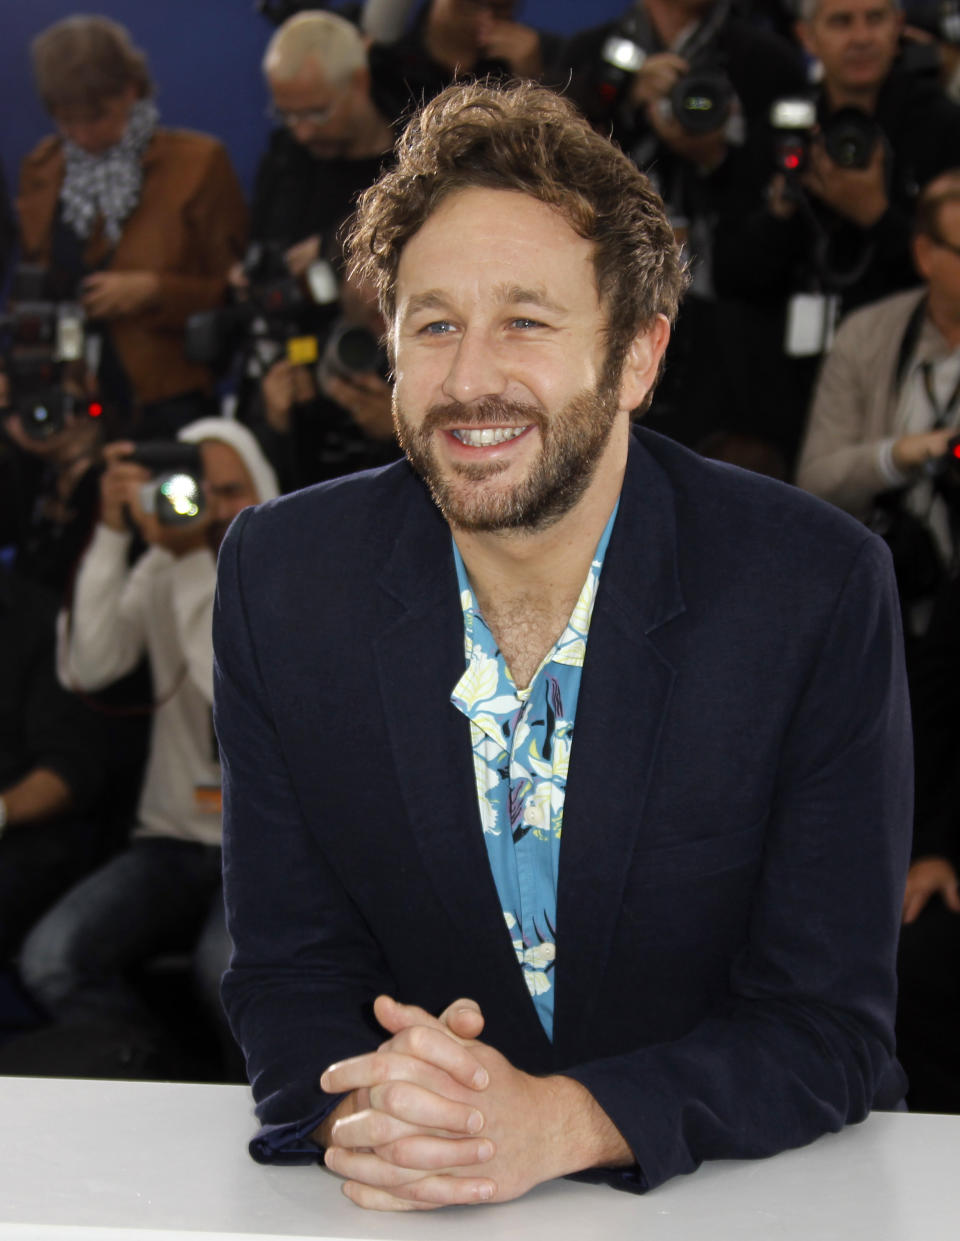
<point>525,323</point>
<point>440,328</point>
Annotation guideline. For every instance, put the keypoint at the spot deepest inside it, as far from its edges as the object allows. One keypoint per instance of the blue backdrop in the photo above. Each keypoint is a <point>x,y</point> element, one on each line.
<point>205,58</point>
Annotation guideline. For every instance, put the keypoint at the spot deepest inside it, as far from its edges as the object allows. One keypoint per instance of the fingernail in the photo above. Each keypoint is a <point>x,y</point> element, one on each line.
<point>484,1152</point>
<point>480,1079</point>
<point>485,1193</point>
<point>475,1122</point>
<point>323,1081</point>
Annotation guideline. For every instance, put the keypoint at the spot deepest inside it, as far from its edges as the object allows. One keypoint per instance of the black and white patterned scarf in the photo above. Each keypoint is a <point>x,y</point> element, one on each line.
<point>107,184</point>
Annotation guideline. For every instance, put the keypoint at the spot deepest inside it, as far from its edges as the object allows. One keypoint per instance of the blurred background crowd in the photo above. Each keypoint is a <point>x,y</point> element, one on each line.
<point>179,338</point>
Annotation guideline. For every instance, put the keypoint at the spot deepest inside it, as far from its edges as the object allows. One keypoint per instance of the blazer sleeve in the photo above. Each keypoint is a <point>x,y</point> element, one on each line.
<point>803,1043</point>
<point>299,987</point>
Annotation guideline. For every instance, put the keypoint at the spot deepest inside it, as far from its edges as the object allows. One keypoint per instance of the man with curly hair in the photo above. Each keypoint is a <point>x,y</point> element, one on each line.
<point>554,715</point>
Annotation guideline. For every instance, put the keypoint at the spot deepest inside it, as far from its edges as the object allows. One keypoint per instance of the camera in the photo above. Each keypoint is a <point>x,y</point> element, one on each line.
<point>42,335</point>
<point>277,308</point>
<point>849,135</point>
<point>175,493</point>
<point>793,122</point>
<point>352,349</point>
<point>700,101</point>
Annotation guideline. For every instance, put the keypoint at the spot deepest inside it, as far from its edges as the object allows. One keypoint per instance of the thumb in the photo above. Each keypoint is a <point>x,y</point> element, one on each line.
<point>463,1018</point>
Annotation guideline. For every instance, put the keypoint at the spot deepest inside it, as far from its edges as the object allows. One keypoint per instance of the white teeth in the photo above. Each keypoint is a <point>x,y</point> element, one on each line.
<point>488,435</point>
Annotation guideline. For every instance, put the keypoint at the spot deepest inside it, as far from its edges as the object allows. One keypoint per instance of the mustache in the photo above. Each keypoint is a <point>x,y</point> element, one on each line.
<point>489,412</point>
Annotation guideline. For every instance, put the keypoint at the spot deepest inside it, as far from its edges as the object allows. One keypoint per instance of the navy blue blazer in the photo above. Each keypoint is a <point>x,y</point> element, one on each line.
<point>736,828</point>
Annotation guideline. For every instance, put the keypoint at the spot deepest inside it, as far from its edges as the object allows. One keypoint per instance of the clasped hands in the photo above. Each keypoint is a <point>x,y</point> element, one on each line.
<point>435,1117</point>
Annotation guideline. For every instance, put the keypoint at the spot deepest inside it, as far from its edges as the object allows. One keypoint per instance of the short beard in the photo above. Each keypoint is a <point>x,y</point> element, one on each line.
<point>573,440</point>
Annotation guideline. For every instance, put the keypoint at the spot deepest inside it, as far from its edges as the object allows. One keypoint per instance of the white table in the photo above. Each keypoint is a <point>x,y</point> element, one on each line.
<point>145,1161</point>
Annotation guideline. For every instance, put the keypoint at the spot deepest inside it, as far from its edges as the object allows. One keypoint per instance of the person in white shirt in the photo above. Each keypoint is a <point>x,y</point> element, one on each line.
<point>161,892</point>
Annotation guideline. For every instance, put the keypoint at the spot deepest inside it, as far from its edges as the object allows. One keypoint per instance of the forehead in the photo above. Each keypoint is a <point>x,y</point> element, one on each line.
<point>223,465</point>
<point>850,8</point>
<point>948,221</point>
<point>308,82</point>
<point>478,239</point>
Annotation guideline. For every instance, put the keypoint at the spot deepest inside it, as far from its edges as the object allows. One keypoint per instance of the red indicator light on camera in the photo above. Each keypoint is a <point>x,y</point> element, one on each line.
<point>792,163</point>
<point>95,409</point>
<point>956,451</point>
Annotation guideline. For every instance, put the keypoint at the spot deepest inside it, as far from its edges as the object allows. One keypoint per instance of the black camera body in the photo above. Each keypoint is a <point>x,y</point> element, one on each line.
<point>175,493</point>
<point>700,101</point>
<point>849,135</point>
<point>287,311</point>
<point>42,335</point>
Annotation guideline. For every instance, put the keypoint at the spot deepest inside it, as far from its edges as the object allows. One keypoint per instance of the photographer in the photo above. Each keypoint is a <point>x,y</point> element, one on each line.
<point>683,85</point>
<point>138,223</point>
<point>157,894</point>
<point>888,402</point>
<point>334,136</point>
<point>805,239</point>
<point>51,766</point>
<point>452,39</point>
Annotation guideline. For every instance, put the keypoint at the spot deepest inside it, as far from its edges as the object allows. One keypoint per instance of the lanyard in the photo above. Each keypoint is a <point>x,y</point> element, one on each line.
<point>942,414</point>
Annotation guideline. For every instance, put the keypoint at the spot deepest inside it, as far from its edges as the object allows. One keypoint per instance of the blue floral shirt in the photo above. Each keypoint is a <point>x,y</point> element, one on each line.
<point>521,754</point>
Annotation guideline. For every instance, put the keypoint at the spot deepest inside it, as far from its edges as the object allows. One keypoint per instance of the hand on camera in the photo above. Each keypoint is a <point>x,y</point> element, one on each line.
<point>300,256</point>
<point>651,88</point>
<point>927,877</point>
<point>120,487</point>
<point>367,398</point>
<point>513,42</point>
<point>284,386</point>
<point>112,294</point>
<point>912,452</point>
<point>858,194</point>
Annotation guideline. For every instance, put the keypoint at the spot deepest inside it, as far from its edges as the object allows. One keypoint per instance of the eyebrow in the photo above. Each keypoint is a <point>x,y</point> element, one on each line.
<point>505,294</point>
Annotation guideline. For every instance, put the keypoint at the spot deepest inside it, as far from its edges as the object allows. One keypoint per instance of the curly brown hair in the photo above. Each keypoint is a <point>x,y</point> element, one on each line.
<point>521,136</point>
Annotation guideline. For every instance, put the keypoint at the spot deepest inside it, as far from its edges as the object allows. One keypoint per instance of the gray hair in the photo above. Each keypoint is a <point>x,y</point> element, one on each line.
<point>334,43</point>
<point>807,10</point>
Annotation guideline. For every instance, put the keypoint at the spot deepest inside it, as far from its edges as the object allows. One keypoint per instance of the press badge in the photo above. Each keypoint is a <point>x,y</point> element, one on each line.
<point>811,324</point>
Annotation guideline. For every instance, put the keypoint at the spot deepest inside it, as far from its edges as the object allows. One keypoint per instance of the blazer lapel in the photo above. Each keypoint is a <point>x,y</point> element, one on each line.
<point>624,696</point>
<point>419,659</point>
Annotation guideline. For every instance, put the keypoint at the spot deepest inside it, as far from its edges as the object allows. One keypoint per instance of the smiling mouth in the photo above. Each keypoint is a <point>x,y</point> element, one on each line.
<point>486,436</point>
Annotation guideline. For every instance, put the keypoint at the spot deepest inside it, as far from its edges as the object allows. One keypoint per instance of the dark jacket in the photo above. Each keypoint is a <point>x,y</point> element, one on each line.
<point>736,826</point>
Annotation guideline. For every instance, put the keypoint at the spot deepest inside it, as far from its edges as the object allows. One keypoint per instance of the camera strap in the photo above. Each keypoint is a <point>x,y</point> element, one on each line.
<point>942,413</point>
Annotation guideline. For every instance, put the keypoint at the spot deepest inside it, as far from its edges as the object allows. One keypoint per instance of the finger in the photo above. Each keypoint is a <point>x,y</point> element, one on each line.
<point>439,1049</point>
<point>415,1104</point>
<point>951,898</point>
<point>372,1168</point>
<point>431,1152</point>
<point>398,1061</point>
<point>424,1193</point>
<point>913,905</point>
<point>464,1018</point>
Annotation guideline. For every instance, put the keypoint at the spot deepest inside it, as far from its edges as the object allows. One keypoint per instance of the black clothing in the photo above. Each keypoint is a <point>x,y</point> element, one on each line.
<point>416,77</point>
<point>41,726</point>
<point>697,396</point>
<point>759,258</point>
<point>760,261</point>
<point>928,964</point>
<point>296,195</point>
<point>760,67</point>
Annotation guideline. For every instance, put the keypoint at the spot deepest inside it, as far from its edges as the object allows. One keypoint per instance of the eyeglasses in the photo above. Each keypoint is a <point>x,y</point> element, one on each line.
<point>313,116</point>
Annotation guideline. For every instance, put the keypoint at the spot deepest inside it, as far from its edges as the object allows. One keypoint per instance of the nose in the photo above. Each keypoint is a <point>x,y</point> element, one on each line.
<point>476,370</point>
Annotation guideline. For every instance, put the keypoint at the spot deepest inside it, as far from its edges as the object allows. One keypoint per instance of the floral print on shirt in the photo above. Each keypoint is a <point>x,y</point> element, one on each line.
<point>521,755</point>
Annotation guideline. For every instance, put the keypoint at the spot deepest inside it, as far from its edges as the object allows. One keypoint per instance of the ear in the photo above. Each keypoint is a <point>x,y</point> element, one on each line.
<point>922,247</point>
<point>805,37</point>
<point>642,363</point>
